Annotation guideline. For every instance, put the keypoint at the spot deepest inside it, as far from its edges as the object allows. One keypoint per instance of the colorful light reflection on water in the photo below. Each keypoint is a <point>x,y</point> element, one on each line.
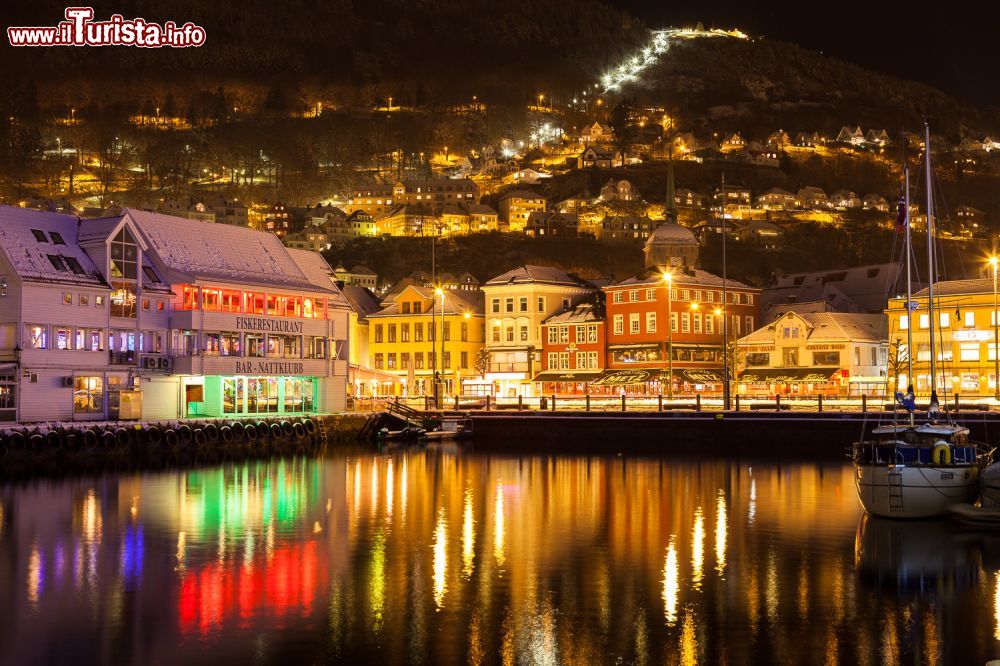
<point>445,557</point>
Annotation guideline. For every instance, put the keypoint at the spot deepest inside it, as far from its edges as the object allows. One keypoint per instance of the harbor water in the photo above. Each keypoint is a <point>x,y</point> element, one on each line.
<point>445,556</point>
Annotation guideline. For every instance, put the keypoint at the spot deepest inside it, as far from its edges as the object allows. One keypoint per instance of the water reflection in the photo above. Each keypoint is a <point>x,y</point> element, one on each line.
<point>444,557</point>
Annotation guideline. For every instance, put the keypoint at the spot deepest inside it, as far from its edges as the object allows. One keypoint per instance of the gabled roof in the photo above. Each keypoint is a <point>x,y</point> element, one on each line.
<point>699,278</point>
<point>521,194</point>
<point>828,326</point>
<point>194,250</point>
<point>583,312</point>
<point>361,299</point>
<point>29,257</point>
<point>456,301</point>
<point>317,270</point>
<point>528,274</point>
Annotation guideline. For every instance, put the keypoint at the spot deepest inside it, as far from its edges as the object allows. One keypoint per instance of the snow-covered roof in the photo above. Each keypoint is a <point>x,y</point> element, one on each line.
<point>696,277</point>
<point>195,250</point>
<point>37,260</point>
<point>317,270</point>
<point>529,274</point>
<point>584,312</point>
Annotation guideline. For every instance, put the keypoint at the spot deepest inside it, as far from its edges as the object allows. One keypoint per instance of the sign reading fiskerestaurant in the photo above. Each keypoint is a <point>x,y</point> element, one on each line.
<point>268,325</point>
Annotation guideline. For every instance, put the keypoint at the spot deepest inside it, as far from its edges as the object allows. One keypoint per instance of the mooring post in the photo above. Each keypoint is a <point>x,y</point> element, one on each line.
<point>956,402</point>
<point>427,403</point>
<point>659,406</point>
<point>736,403</point>
<point>553,402</point>
<point>623,402</point>
<point>487,403</point>
<point>697,403</point>
<point>777,403</point>
<point>456,403</point>
<point>820,403</point>
<point>520,402</point>
<point>864,403</point>
<point>588,402</point>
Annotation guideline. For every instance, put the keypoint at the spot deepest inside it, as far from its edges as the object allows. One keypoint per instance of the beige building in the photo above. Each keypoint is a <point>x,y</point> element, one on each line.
<point>516,206</point>
<point>836,354</point>
<point>517,303</point>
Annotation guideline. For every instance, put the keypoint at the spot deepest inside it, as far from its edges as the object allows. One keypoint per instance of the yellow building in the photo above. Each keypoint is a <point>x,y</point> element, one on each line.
<point>964,337</point>
<point>410,338</point>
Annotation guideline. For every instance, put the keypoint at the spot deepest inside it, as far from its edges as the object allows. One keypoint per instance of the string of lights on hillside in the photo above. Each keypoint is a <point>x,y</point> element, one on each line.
<point>631,69</point>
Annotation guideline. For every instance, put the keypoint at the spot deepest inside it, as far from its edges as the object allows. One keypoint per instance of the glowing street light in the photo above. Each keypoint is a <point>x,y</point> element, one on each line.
<point>994,262</point>
<point>668,280</point>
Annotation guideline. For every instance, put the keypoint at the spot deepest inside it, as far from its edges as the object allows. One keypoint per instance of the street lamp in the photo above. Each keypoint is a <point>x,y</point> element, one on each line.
<point>440,293</point>
<point>994,263</point>
<point>668,279</point>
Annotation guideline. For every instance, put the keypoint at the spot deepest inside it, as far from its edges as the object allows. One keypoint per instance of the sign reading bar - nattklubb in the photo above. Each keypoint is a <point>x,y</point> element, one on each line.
<point>268,325</point>
<point>269,368</point>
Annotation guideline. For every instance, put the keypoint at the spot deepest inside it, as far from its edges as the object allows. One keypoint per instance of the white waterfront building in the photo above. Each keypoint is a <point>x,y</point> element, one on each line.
<point>187,317</point>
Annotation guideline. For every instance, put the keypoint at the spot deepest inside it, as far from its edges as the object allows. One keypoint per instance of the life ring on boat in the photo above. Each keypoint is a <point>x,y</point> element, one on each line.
<point>941,453</point>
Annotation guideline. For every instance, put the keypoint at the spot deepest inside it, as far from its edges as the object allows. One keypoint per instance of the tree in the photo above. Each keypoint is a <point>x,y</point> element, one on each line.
<point>483,358</point>
<point>898,357</point>
<point>736,357</point>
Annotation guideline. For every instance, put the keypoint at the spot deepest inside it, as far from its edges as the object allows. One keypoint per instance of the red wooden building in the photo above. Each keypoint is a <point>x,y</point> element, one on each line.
<point>573,350</point>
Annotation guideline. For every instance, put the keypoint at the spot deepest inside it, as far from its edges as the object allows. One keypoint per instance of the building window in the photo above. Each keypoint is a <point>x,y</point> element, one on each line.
<point>509,304</point>
<point>633,323</point>
<point>553,335</point>
<point>123,299</point>
<point>404,332</point>
<point>650,294</point>
<point>446,331</point>
<point>447,360</point>
<point>581,334</point>
<point>747,324</point>
<point>495,305</point>
<point>904,322</point>
<point>38,337</point>
<point>592,360</point>
<point>945,319</point>
<point>758,360</point>
<point>697,322</point>
<point>496,333</point>
<point>212,344</point>
<point>709,323</point>
<point>968,352</point>
<point>651,322</point>
<point>619,322</point>
<point>88,395</point>
<point>564,334</point>
<point>63,336</point>
<point>229,344</point>
<point>970,319</point>
<point>524,333</point>
<point>564,360</point>
<point>826,358</point>
<point>378,332</point>
<point>67,298</point>
<point>522,304</point>
<point>581,360</point>
<point>925,321</point>
<point>552,358</point>
<point>464,359</point>
<point>790,356</point>
<point>633,295</point>
<point>391,329</point>
<point>686,322</point>
<point>390,362</point>
<point>541,304</point>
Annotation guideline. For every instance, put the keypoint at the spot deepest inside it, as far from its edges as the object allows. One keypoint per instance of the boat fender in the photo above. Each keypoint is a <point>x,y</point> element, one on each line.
<point>90,439</point>
<point>123,437</point>
<point>941,453</point>
<point>276,431</point>
<point>299,431</point>
<point>108,440</point>
<point>262,429</point>
<point>153,435</point>
<point>36,444</point>
<point>211,431</point>
<point>53,441</point>
<point>72,442</point>
<point>286,428</point>
<point>184,432</point>
<point>17,441</point>
<point>250,432</point>
<point>170,438</point>
<point>310,426</point>
<point>238,429</point>
<point>226,433</point>
<point>199,437</point>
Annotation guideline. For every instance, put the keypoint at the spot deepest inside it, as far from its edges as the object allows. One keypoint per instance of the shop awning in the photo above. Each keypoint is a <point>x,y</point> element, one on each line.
<point>698,376</point>
<point>566,376</point>
<point>626,377</point>
<point>787,375</point>
<point>358,373</point>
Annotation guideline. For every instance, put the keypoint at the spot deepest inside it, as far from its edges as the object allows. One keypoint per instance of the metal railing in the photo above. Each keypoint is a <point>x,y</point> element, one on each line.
<point>657,403</point>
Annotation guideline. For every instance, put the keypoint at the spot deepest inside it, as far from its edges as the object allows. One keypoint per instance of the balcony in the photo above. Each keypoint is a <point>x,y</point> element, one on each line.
<point>521,366</point>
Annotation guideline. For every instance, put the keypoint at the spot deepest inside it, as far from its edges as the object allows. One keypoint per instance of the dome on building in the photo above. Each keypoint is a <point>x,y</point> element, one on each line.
<point>671,245</point>
<point>672,234</point>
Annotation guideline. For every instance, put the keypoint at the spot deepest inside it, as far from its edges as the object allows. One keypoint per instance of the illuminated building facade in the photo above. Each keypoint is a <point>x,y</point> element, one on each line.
<point>190,318</point>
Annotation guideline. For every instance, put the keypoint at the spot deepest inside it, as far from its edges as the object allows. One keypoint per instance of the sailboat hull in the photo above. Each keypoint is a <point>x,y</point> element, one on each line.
<point>918,491</point>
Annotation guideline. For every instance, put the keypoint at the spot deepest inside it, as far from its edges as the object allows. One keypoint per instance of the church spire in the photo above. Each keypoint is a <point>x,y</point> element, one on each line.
<point>670,209</point>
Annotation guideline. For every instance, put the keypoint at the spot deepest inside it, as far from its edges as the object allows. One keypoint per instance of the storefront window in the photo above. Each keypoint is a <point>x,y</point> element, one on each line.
<point>233,395</point>
<point>229,344</point>
<point>212,344</point>
<point>8,398</point>
<point>284,346</point>
<point>294,401</point>
<point>96,339</point>
<point>255,345</point>
<point>826,358</point>
<point>253,303</point>
<point>758,360</point>
<point>88,395</point>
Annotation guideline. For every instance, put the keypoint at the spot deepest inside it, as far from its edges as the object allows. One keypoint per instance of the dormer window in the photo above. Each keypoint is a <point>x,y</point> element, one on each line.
<point>56,238</point>
<point>39,235</point>
<point>57,262</point>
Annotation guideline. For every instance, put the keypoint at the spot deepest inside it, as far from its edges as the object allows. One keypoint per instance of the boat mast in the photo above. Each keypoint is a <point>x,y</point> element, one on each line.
<point>909,284</point>
<point>930,255</point>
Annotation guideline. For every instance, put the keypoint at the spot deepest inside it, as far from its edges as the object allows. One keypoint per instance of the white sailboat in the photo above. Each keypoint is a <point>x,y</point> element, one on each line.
<point>910,470</point>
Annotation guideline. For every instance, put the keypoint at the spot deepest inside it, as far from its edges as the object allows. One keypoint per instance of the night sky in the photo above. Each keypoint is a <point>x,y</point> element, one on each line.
<point>954,48</point>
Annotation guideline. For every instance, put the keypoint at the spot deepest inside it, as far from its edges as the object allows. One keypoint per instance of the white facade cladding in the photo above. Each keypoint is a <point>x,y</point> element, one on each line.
<point>191,318</point>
